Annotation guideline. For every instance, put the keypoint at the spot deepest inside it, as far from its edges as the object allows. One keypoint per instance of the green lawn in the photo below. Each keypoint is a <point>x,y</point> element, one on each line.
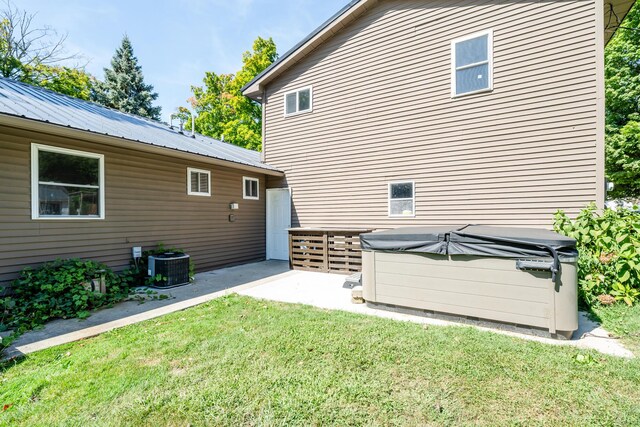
<point>623,322</point>
<point>239,361</point>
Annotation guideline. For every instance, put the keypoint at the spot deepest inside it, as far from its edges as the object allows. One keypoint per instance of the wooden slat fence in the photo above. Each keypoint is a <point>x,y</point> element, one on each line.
<point>325,250</point>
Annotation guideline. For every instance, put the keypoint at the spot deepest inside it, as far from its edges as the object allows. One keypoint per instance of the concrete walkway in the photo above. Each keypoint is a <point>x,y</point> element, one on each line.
<point>207,286</point>
<point>271,280</point>
<point>326,291</point>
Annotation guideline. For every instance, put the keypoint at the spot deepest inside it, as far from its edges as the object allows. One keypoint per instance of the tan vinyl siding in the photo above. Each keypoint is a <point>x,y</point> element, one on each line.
<point>146,203</point>
<point>382,111</point>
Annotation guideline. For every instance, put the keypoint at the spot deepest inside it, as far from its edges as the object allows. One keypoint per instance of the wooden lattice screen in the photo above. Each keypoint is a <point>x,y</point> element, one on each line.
<point>325,250</point>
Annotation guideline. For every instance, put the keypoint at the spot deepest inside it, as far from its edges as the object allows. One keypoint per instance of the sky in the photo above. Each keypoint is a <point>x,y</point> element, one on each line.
<point>177,41</point>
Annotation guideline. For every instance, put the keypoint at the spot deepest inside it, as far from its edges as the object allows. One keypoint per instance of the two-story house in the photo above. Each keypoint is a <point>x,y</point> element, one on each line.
<point>430,112</point>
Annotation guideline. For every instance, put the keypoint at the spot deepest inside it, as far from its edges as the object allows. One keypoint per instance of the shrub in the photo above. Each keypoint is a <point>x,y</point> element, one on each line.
<point>609,245</point>
<point>61,289</point>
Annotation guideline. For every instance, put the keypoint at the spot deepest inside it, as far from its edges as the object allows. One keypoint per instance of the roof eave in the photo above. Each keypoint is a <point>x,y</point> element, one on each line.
<point>350,12</point>
<point>27,124</point>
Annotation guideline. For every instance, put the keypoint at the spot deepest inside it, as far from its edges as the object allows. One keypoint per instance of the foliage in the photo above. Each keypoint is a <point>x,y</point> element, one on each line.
<point>23,46</point>
<point>136,275</point>
<point>622,93</point>
<point>239,361</point>
<point>124,88</point>
<point>623,322</point>
<point>61,289</point>
<point>34,56</point>
<point>222,111</point>
<point>609,246</point>
<point>183,115</point>
<point>73,82</point>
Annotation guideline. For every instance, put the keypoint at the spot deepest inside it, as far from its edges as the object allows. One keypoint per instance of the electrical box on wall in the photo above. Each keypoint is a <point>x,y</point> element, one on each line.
<point>136,251</point>
<point>232,218</point>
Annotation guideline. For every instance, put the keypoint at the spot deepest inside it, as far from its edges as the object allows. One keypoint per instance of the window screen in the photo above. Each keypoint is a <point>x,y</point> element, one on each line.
<point>251,188</point>
<point>401,199</point>
<point>68,183</point>
<point>298,101</point>
<point>472,66</point>
<point>199,182</point>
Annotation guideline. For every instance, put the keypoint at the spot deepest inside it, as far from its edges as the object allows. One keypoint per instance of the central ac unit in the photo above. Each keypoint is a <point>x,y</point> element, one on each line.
<point>172,267</point>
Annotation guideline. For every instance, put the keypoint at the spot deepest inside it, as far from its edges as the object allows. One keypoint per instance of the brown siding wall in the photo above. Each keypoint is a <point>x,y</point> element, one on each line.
<point>146,203</point>
<point>382,112</point>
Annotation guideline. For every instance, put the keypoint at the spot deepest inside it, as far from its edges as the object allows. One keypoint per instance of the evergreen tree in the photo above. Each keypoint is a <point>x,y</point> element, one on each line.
<point>124,88</point>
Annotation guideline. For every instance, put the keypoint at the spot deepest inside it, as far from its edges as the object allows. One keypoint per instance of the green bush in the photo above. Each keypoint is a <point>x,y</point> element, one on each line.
<point>609,245</point>
<point>61,289</point>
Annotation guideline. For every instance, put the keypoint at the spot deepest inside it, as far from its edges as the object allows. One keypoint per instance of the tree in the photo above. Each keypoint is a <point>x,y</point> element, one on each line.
<point>622,93</point>
<point>124,88</point>
<point>24,47</point>
<point>68,81</point>
<point>222,111</point>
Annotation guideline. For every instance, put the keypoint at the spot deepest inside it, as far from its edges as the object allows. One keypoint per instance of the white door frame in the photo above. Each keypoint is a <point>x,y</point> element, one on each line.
<point>270,233</point>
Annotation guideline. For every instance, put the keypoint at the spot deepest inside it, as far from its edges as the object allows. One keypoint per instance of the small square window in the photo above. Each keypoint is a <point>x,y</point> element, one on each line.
<point>251,188</point>
<point>198,182</point>
<point>401,199</point>
<point>298,101</point>
<point>472,64</point>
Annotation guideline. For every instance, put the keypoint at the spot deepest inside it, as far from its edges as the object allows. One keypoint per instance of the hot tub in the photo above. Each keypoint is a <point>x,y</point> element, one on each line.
<point>519,276</point>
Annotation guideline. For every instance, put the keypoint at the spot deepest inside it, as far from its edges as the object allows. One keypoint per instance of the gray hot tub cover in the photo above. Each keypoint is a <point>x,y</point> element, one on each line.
<point>430,240</point>
<point>480,240</point>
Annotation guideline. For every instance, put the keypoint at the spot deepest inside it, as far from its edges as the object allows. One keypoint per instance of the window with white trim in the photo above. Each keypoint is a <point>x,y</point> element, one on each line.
<point>251,188</point>
<point>472,64</point>
<point>66,184</point>
<point>198,182</point>
<point>298,101</point>
<point>401,199</point>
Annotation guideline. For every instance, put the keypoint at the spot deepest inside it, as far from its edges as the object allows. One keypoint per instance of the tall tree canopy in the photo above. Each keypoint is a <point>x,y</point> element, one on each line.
<point>222,110</point>
<point>622,73</point>
<point>124,88</point>
<point>35,55</point>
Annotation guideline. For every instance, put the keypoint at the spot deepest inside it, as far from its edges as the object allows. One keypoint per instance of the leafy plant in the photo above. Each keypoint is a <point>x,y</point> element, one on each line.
<point>136,275</point>
<point>609,245</point>
<point>61,289</point>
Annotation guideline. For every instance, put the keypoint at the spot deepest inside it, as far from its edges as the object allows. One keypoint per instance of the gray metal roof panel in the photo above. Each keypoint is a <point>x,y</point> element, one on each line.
<point>30,102</point>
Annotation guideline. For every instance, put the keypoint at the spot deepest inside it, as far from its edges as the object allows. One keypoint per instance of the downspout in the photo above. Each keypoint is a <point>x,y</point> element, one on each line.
<point>600,104</point>
<point>263,101</point>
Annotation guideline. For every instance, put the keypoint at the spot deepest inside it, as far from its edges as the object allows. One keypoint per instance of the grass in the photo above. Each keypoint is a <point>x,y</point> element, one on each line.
<point>623,322</point>
<point>239,361</point>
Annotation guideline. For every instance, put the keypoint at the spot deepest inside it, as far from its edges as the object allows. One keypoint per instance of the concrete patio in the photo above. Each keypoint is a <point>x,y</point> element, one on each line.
<point>272,280</point>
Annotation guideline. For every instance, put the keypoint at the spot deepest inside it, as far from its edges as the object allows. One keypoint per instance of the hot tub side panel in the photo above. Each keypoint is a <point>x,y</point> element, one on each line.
<point>487,288</point>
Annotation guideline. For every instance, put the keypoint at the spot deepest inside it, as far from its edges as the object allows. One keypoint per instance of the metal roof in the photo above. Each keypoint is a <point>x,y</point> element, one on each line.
<point>30,102</point>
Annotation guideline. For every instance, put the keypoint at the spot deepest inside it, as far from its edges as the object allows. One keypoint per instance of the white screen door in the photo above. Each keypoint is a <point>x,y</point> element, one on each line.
<point>278,221</point>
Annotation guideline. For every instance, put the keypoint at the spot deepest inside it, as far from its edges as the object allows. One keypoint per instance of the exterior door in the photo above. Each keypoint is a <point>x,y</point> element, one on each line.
<point>278,221</point>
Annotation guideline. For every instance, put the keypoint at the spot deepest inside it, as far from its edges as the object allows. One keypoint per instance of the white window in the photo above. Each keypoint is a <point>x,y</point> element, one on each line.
<point>472,64</point>
<point>66,184</point>
<point>251,188</point>
<point>198,182</point>
<point>401,199</point>
<point>299,101</point>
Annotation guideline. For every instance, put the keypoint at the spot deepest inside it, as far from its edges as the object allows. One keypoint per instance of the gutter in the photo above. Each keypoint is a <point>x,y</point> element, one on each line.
<point>47,128</point>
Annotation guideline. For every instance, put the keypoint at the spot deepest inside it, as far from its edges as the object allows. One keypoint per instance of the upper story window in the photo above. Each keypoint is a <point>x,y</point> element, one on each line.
<point>198,182</point>
<point>472,64</point>
<point>251,188</point>
<point>298,101</point>
<point>66,184</point>
<point>401,199</point>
